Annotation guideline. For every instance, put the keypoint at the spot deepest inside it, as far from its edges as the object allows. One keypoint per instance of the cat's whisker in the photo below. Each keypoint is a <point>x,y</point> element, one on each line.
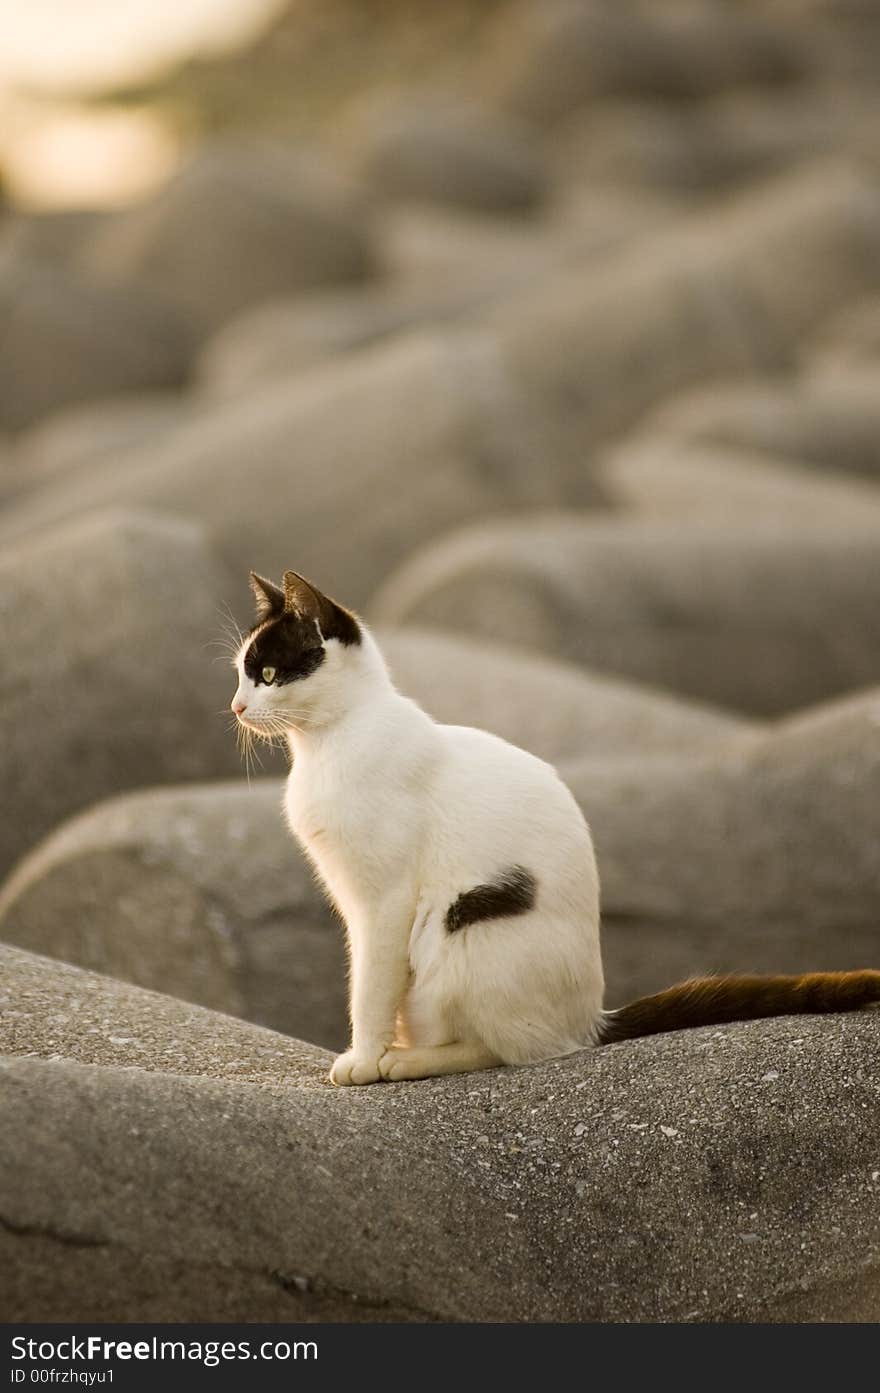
<point>231,639</point>
<point>231,629</point>
<point>244,745</point>
<point>228,650</point>
<point>226,614</point>
<point>253,760</point>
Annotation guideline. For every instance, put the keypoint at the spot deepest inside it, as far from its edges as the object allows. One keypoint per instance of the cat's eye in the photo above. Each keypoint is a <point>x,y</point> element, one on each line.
<point>268,675</point>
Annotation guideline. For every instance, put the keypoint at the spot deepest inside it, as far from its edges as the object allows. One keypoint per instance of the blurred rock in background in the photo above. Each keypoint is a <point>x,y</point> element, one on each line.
<point>547,334</point>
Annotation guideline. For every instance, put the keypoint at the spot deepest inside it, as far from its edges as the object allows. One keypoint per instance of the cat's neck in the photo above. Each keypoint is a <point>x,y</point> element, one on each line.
<point>350,706</point>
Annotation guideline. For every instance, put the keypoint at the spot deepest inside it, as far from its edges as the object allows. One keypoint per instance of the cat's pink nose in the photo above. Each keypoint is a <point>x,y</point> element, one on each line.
<point>239,707</point>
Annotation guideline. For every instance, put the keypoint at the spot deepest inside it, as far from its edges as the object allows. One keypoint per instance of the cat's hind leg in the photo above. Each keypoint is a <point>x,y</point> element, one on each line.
<point>430,1061</point>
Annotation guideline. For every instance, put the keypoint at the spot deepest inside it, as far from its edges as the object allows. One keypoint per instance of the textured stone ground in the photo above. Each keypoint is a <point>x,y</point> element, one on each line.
<point>709,1175</point>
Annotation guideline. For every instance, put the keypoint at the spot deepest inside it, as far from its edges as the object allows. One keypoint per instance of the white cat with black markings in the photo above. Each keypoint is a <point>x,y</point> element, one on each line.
<point>462,867</point>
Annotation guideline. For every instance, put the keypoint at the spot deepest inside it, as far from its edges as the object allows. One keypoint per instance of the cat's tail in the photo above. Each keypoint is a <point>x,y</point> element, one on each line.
<point>717,1000</point>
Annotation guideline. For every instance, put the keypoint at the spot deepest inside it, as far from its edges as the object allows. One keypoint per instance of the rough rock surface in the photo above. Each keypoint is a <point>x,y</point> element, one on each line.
<point>717,612</point>
<point>55,235</point>
<point>235,226</point>
<point>198,891</point>
<point>406,438</point>
<point>681,480</point>
<point>79,434</point>
<point>553,57</point>
<point>830,421</point>
<point>534,386</point>
<point>731,291</point>
<point>450,155</point>
<point>67,338</point>
<point>454,251</point>
<point>851,340</point>
<point>109,680</point>
<point>554,709</point>
<point>9,482</point>
<point>660,145</point>
<point>288,336</point>
<point>762,858</point>
<point>724,1175</point>
<point>439,264</point>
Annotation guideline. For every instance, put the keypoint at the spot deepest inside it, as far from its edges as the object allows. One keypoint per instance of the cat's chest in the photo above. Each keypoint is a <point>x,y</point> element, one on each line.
<point>318,811</point>
<point>329,821</point>
<point>357,825</point>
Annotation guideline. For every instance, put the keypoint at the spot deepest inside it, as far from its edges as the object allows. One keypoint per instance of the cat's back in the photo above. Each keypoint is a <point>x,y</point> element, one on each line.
<point>484,782</point>
<point>472,753</point>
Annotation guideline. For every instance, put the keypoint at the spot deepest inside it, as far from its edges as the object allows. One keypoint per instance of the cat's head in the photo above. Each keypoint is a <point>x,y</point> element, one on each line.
<point>290,663</point>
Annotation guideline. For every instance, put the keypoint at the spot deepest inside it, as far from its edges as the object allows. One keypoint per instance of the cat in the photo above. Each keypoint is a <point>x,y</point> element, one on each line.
<point>461,865</point>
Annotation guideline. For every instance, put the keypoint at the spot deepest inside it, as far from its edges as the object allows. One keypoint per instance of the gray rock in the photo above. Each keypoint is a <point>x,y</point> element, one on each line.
<point>67,338</point>
<point>435,247</point>
<point>449,154</point>
<point>397,442</point>
<point>109,680</point>
<point>77,435</point>
<point>830,420</point>
<point>449,427</point>
<point>98,1282</point>
<point>441,249</point>
<point>198,891</point>
<point>663,476</point>
<point>237,225</point>
<point>444,428</point>
<point>552,708</point>
<point>658,144</point>
<point>553,57</point>
<point>760,858</point>
<point>850,341</point>
<point>54,236</point>
<point>847,36</point>
<point>441,265</point>
<point>731,291</point>
<point>757,617</point>
<point>9,477</point>
<point>722,1175</point>
<point>288,336</point>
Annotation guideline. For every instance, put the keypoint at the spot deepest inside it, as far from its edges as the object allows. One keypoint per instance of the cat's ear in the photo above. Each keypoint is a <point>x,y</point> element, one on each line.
<point>302,597</point>
<point>270,600</point>
<point>305,599</point>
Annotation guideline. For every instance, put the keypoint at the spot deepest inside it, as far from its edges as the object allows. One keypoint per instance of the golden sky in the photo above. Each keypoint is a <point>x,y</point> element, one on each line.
<point>55,149</point>
<point>82,44</point>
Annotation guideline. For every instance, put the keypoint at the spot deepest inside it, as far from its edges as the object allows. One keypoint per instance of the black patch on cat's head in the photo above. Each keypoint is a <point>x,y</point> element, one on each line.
<point>301,597</point>
<point>289,644</point>
<point>292,627</point>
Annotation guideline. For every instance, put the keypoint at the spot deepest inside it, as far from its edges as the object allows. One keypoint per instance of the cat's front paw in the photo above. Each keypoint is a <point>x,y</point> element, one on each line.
<point>392,1065</point>
<point>356,1067</point>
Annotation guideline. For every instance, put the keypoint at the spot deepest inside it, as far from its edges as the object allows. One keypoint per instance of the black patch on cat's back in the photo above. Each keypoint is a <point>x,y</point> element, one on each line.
<point>511,893</point>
